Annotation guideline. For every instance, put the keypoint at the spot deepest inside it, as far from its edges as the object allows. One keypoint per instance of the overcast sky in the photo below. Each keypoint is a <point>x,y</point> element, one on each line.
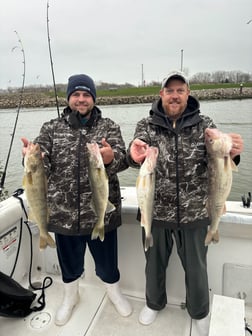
<point>111,39</point>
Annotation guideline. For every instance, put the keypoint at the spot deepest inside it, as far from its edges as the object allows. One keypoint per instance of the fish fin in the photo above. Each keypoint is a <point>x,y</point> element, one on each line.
<point>24,181</point>
<point>92,205</point>
<point>208,238</point>
<point>137,182</point>
<point>208,209</point>
<point>148,242</point>
<point>110,207</point>
<point>224,210</point>
<point>142,219</point>
<point>42,243</point>
<point>233,166</point>
<point>98,232</point>
<point>50,241</point>
<point>29,178</point>
<point>31,216</point>
<point>216,237</point>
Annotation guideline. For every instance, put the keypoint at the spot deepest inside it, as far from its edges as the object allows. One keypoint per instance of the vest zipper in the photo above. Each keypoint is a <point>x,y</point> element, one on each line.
<point>78,181</point>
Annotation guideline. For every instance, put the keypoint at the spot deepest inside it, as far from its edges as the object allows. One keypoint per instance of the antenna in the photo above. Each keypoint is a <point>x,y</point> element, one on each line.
<point>51,61</point>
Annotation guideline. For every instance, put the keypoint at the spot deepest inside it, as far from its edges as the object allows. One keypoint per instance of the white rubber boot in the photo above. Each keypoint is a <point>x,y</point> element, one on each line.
<point>70,300</point>
<point>200,327</point>
<point>120,302</point>
<point>147,315</point>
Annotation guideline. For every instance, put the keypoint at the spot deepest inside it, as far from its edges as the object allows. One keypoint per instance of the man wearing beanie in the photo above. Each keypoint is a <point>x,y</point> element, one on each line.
<point>72,219</point>
<point>81,83</point>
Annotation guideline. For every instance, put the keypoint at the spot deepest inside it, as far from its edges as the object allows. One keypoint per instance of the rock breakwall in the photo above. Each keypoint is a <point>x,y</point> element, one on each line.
<point>29,100</point>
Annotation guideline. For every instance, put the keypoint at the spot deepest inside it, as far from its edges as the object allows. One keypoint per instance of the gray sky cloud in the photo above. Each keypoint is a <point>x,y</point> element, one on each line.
<point>111,39</point>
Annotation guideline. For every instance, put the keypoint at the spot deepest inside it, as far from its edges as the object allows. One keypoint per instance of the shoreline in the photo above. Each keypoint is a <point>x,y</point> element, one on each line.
<point>29,100</point>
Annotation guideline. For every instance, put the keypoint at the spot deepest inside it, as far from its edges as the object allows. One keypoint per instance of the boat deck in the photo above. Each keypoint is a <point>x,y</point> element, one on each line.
<point>229,265</point>
<point>95,315</point>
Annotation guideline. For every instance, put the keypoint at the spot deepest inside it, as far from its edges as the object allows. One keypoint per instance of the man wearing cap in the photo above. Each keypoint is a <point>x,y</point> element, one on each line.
<point>72,219</point>
<point>176,127</point>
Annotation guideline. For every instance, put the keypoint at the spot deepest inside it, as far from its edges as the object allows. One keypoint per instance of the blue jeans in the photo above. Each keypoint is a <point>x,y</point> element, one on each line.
<point>71,253</point>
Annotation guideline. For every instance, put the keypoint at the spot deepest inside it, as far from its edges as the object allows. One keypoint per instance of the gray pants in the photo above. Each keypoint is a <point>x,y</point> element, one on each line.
<point>192,253</point>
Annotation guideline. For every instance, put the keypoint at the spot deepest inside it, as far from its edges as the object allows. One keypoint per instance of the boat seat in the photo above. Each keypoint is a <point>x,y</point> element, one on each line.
<point>227,316</point>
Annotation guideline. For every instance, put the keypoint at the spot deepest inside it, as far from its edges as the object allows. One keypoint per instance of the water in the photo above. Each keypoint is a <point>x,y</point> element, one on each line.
<point>230,116</point>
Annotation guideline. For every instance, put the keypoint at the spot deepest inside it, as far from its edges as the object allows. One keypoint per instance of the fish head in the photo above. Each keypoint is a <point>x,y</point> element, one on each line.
<point>32,157</point>
<point>217,142</point>
<point>95,155</point>
<point>151,158</point>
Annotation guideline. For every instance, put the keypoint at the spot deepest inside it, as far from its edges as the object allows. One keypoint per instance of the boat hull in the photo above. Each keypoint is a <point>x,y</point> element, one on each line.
<point>234,251</point>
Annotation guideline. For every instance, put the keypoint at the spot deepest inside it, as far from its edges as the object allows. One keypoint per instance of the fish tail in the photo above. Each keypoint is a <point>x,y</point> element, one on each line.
<point>216,237</point>
<point>98,232</point>
<point>45,241</point>
<point>212,237</point>
<point>50,241</point>
<point>148,242</point>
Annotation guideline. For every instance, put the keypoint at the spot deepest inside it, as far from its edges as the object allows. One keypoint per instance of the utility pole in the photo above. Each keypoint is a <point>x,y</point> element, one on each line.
<point>142,76</point>
<point>181,60</point>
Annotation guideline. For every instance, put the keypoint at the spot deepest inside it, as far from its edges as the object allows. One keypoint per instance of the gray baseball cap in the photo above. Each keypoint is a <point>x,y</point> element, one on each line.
<point>175,75</point>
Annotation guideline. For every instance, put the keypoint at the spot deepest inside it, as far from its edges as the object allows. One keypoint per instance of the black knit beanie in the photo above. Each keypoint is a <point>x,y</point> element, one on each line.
<point>82,83</point>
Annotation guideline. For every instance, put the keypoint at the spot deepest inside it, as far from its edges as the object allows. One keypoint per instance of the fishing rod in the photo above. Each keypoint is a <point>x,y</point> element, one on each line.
<point>51,61</point>
<point>18,110</point>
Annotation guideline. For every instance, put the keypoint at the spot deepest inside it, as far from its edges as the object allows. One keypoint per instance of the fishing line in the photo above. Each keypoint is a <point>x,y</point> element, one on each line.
<point>18,110</point>
<point>51,61</point>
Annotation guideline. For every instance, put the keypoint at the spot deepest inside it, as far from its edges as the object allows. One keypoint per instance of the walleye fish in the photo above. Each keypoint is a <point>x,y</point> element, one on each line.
<point>145,186</point>
<point>35,186</point>
<point>220,166</point>
<point>100,189</point>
